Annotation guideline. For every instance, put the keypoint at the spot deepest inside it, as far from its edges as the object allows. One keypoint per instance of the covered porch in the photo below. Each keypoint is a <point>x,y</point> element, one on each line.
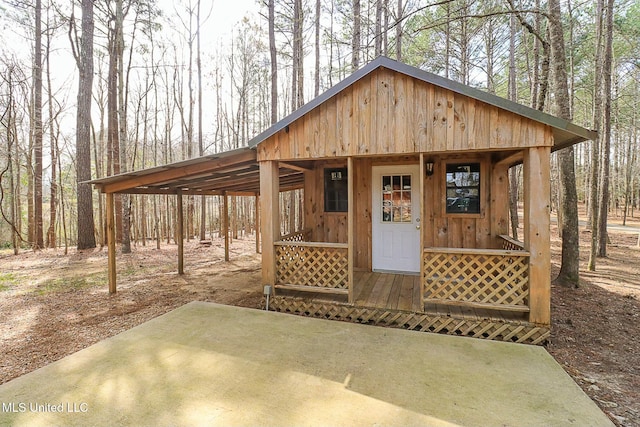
<point>480,282</point>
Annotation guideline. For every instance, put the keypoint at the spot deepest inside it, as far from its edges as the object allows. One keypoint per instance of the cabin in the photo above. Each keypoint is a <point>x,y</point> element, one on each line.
<point>406,204</point>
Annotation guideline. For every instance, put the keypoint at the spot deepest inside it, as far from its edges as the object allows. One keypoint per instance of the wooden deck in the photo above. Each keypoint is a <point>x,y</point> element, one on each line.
<point>382,290</point>
<point>399,292</point>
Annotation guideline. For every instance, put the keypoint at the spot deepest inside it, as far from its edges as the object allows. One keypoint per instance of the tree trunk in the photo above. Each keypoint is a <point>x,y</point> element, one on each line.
<point>595,144</point>
<point>38,240</point>
<point>274,64</point>
<point>378,34</point>
<point>569,268</point>
<point>355,42</point>
<point>51,231</point>
<point>203,204</point>
<point>606,130</point>
<point>399,32</point>
<point>86,235</point>
<point>316,89</point>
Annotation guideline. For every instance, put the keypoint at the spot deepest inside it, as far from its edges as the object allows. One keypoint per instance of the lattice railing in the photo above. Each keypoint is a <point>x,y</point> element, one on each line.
<point>511,244</point>
<point>477,277</point>
<point>323,266</point>
<point>297,236</point>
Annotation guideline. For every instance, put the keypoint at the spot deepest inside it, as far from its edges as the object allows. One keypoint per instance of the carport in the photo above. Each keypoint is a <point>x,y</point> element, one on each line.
<point>230,173</point>
<point>207,364</point>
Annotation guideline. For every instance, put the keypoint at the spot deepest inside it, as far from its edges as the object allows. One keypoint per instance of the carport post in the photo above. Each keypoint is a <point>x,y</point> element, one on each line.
<point>180,232</point>
<point>111,244</point>
<point>225,224</point>
<point>257,227</point>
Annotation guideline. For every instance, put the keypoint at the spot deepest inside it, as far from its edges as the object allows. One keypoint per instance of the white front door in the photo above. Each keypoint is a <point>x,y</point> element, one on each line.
<point>396,218</point>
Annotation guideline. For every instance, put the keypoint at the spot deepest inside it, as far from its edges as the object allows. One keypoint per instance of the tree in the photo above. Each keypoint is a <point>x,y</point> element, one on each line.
<point>355,43</point>
<point>606,129</point>
<point>84,60</point>
<point>274,63</point>
<point>38,241</point>
<point>568,220</point>
<point>595,145</point>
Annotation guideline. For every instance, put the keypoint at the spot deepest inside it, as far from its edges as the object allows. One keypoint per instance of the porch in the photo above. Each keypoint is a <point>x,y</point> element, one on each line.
<point>483,293</point>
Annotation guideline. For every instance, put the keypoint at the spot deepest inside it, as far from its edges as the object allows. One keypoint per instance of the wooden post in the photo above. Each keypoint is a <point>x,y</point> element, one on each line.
<point>111,243</point>
<point>270,217</point>
<point>180,232</point>
<point>257,223</point>
<point>225,223</point>
<point>351,209</point>
<point>537,194</point>
<point>499,202</point>
<point>421,225</point>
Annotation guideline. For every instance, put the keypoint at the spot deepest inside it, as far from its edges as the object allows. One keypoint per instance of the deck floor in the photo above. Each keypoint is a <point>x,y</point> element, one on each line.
<point>397,291</point>
<point>384,290</point>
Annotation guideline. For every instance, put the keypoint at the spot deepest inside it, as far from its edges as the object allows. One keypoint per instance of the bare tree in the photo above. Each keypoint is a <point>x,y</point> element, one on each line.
<point>603,202</point>
<point>274,63</point>
<point>84,60</point>
<point>355,42</point>
<point>595,144</point>
<point>568,221</point>
<point>38,241</point>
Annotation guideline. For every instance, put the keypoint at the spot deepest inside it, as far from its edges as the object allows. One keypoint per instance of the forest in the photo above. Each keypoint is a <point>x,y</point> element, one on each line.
<point>89,90</point>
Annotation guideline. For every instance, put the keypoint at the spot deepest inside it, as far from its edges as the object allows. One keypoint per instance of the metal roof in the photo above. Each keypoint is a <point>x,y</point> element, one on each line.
<point>233,172</point>
<point>565,133</point>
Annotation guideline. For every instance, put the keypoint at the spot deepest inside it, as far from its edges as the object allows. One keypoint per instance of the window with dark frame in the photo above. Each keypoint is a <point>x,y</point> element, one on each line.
<point>463,188</point>
<point>336,190</point>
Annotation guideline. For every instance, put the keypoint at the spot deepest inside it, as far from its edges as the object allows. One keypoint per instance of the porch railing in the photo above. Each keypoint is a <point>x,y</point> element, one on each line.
<point>483,278</point>
<point>511,244</point>
<point>297,236</point>
<point>311,266</point>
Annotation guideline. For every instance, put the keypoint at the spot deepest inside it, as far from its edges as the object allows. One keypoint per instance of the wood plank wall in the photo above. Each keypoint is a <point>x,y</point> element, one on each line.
<point>439,229</point>
<point>465,230</point>
<point>390,113</point>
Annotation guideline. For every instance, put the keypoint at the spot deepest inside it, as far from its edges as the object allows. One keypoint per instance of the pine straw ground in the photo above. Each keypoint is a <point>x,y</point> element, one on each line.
<point>52,305</point>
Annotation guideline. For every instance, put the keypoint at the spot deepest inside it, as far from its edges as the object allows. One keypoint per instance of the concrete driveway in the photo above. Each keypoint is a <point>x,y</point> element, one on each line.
<point>206,364</point>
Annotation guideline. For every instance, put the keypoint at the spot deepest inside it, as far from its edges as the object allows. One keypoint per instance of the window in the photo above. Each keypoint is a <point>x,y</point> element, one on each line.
<point>463,188</point>
<point>336,190</point>
<point>396,198</point>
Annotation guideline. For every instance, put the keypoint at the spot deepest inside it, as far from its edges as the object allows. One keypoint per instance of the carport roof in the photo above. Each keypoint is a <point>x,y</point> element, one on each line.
<point>230,172</point>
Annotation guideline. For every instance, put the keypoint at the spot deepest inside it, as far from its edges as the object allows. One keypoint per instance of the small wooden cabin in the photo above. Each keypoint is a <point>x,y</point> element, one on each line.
<point>406,204</point>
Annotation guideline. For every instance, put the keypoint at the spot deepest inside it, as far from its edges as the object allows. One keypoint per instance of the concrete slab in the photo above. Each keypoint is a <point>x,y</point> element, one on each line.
<point>207,364</point>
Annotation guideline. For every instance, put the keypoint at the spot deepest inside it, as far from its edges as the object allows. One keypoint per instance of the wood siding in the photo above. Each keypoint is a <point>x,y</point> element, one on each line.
<point>391,113</point>
<point>477,231</point>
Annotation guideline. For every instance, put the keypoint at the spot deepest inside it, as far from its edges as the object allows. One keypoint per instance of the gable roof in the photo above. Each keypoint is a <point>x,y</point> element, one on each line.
<point>565,133</point>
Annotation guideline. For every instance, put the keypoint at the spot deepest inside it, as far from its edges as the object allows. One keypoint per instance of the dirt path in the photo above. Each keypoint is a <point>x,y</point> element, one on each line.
<point>52,305</point>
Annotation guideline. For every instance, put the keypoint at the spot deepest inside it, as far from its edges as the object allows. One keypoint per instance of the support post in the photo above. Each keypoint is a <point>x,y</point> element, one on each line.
<point>499,202</point>
<point>351,208</point>
<point>537,199</point>
<point>270,218</point>
<point>225,223</point>
<point>257,227</point>
<point>180,232</point>
<point>111,243</point>
<point>420,226</point>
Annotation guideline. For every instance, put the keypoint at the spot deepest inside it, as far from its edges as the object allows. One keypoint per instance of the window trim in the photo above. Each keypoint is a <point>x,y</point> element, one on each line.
<point>481,188</point>
<point>345,177</point>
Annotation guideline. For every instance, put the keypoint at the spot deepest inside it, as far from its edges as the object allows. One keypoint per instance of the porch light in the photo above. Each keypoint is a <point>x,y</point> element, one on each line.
<point>429,168</point>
